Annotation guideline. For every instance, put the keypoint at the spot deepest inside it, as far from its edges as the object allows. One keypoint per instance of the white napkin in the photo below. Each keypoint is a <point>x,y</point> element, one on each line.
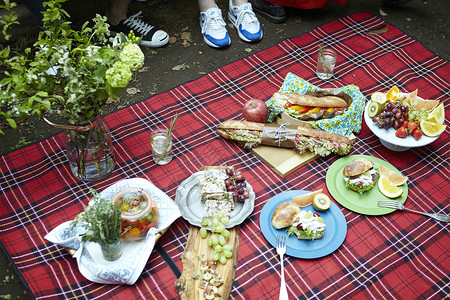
<point>135,254</point>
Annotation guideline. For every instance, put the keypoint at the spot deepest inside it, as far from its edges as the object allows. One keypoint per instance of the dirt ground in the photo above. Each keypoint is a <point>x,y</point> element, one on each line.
<point>188,59</point>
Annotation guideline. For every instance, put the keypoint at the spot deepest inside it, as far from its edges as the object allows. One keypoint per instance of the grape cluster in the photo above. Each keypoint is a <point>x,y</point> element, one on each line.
<point>392,115</point>
<point>236,184</point>
<point>219,234</point>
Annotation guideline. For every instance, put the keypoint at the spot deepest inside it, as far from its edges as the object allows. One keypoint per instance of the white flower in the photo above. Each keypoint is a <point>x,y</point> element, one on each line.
<point>118,75</point>
<point>132,56</point>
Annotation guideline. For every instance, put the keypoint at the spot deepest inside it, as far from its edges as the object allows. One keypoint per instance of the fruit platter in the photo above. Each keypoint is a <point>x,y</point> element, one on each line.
<point>404,120</point>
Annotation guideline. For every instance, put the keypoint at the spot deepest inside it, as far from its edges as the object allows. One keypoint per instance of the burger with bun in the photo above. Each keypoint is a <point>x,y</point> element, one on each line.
<point>360,175</point>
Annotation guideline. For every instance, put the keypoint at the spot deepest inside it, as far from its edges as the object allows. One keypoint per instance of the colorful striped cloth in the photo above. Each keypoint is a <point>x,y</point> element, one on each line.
<point>397,256</point>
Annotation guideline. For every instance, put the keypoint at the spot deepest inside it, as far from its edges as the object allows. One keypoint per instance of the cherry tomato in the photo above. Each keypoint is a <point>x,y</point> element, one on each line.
<point>134,232</point>
<point>125,207</point>
<point>144,225</point>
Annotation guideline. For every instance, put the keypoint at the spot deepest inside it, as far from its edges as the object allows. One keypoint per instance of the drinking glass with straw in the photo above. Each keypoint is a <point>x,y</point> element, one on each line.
<point>161,141</point>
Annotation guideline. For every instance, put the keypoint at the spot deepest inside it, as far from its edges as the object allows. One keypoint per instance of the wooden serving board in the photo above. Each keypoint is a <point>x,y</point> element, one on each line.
<point>284,161</point>
<point>196,248</point>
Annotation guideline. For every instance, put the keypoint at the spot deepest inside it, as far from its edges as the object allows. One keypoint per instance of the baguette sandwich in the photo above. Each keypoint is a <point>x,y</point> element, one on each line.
<point>304,224</point>
<point>250,134</point>
<point>309,107</point>
<point>360,175</point>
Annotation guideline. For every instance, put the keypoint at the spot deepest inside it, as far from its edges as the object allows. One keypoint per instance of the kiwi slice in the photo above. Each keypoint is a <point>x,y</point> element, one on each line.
<point>321,202</point>
<point>374,109</point>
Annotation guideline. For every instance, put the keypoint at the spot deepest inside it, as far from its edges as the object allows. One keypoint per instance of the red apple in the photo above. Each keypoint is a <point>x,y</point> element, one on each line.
<point>255,110</point>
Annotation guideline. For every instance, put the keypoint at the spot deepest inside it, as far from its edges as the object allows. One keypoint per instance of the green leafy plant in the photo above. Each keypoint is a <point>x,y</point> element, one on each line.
<point>68,73</point>
<point>102,221</point>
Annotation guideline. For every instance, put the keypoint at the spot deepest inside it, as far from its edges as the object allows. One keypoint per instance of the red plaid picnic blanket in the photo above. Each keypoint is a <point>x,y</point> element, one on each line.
<point>400,255</point>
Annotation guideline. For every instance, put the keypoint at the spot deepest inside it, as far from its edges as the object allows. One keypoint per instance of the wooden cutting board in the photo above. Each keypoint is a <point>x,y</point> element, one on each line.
<point>283,161</point>
<point>196,247</point>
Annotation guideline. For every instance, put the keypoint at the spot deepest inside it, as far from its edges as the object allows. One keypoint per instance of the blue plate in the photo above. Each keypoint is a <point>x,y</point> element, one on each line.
<point>334,236</point>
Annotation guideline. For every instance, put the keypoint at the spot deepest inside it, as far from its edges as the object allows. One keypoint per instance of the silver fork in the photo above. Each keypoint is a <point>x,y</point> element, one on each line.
<point>281,250</point>
<point>397,205</point>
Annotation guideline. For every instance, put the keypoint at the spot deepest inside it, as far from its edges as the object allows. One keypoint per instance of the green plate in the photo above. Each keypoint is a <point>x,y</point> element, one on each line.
<point>366,203</point>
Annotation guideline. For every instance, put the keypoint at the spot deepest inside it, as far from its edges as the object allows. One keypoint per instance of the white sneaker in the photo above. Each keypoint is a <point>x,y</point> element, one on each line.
<point>213,28</point>
<point>245,21</point>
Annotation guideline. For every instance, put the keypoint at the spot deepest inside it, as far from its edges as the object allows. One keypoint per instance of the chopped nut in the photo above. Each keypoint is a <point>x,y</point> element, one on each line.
<point>207,276</point>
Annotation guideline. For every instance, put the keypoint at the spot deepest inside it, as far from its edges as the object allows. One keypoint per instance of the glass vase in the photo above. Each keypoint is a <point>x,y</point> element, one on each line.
<point>111,252</point>
<point>89,150</point>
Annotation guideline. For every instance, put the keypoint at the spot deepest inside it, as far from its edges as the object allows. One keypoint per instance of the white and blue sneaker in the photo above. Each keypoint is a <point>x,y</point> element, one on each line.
<point>213,28</point>
<point>245,21</point>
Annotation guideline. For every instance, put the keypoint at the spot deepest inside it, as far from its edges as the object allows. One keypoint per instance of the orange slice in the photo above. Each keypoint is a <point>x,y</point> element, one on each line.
<point>393,93</point>
<point>384,171</point>
<point>398,179</point>
<point>392,176</point>
<point>306,199</point>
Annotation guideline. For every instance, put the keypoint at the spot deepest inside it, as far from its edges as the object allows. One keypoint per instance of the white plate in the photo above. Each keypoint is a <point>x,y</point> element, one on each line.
<point>188,199</point>
<point>392,142</point>
<point>128,268</point>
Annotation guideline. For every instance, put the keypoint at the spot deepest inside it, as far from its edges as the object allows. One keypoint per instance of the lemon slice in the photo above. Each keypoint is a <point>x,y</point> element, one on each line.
<point>437,115</point>
<point>431,129</point>
<point>378,97</point>
<point>388,189</point>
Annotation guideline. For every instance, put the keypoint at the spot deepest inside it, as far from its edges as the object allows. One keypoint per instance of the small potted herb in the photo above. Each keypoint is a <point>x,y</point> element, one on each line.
<point>102,222</point>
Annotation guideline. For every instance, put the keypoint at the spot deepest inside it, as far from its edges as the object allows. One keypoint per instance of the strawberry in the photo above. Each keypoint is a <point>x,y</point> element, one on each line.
<point>402,132</point>
<point>417,134</point>
<point>412,126</point>
<point>405,123</point>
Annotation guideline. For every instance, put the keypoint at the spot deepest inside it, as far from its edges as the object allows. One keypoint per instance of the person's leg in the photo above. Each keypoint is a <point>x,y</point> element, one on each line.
<point>212,25</point>
<point>204,5</point>
<point>117,11</point>
<point>36,7</point>
<point>273,12</point>
<point>241,14</point>
<point>117,14</point>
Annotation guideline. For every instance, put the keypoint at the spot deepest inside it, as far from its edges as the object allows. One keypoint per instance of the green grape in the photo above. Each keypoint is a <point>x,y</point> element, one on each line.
<point>215,221</point>
<point>214,240</point>
<point>205,222</point>
<point>210,242</point>
<point>219,228</point>
<point>227,247</point>
<point>227,254</point>
<point>220,214</point>
<point>222,259</point>
<point>213,228</point>
<point>216,256</point>
<point>203,232</point>
<point>225,220</point>
<point>221,240</point>
<point>218,248</point>
<point>225,233</point>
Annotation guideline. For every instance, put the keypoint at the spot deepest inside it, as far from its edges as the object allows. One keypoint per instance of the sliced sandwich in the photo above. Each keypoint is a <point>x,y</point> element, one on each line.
<point>250,134</point>
<point>306,225</point>
<point>360,175</point>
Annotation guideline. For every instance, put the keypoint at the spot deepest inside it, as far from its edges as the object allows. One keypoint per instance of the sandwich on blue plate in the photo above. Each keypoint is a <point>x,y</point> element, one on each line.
<point>304,224</point>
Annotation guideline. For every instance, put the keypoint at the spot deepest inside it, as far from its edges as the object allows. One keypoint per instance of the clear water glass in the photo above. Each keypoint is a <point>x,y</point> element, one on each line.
<point>325,63</point>
<point>161,146</point>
